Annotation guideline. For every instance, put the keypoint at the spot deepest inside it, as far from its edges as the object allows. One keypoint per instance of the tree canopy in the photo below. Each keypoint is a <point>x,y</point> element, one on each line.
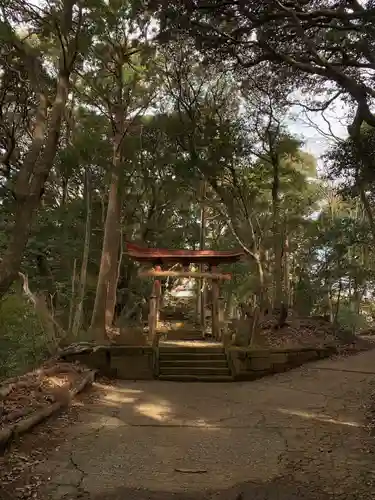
<point>169,124</point>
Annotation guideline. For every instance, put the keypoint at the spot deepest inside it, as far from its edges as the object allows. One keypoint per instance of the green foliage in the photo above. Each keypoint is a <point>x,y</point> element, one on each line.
<point>23,344</point>
<point>347,318</point>
<point>176,118</point>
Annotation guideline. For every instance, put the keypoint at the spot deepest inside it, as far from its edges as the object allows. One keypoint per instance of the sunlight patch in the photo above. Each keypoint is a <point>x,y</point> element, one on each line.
<point>206,425</point>
<point>118,398</point>
<point>117,389</point>
<point>155,411</point>
<point>319,417</point>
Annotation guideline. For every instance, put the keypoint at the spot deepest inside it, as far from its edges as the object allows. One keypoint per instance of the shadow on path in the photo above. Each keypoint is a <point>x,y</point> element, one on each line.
<point>283,488</point>
<point>297,435</point>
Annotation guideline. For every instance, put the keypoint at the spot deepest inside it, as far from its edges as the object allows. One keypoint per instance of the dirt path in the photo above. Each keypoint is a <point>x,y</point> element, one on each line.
<point>296,435</point>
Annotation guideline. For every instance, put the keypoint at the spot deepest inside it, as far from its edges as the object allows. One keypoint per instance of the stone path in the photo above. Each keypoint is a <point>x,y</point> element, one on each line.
<point>296,435</point>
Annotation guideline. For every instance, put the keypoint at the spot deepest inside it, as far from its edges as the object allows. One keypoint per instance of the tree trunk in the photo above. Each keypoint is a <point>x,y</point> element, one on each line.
<point>368,209</point>
<point>113,281</point>
<point>103,312</point>
<point>335,320</point>
<point>49,285</point>
<point>277,239</point>
<point>292,280</point>
<point>286,271</point>
<point>329,301</point>
<point>77,322</point>
<point>262,298</point>
<point>72,296</point>
<point>201,296</point>
<point>29,186</point>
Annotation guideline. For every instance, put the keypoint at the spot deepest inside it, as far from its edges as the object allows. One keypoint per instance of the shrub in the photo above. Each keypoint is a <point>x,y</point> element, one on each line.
<point>23,341</point>
<point>347,318</point>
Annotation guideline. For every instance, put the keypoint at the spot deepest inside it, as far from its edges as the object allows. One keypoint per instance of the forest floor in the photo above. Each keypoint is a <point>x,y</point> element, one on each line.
<point>303,434</point>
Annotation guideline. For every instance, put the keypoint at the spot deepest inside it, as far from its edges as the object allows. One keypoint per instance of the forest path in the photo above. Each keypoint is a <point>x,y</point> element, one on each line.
<point>299,434</point>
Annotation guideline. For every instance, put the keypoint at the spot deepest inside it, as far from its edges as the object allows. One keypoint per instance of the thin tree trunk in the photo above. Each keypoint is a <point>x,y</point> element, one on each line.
<point>292,282</point>
<point>329,301</point>
<point>368,209</point>
<point>69,123</point>
<point>277,238</point>
<point>286,271</point>
<point>77,322</point>
<point>356,302</point>
<point>335,320</point>
<point>261,290</point>
<point>201,295</point>
<point>50,285</point>
<point>115,302</point>
<point>73,295</point>
<point>113,282</point>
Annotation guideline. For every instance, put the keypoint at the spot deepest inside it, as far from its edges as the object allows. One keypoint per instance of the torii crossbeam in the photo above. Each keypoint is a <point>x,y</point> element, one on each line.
<point>158,257</point>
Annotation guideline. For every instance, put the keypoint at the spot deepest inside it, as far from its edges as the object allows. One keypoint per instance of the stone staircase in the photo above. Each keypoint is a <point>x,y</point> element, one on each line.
<point>194,364</point>
<point>179,330</point>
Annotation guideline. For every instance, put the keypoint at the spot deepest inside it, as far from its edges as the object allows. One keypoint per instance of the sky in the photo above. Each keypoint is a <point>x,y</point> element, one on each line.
<point>318,139</point>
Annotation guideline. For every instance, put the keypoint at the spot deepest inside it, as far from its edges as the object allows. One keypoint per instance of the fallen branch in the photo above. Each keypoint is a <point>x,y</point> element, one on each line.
<point>27,380</point>
<point>17,414</point>
<point>12,431</point>
<point>5,436</point>
<point>81,384</point>
<point>38,417</point>
<point>46,318</point>
<point>20,378</point>
<point>4,391</point>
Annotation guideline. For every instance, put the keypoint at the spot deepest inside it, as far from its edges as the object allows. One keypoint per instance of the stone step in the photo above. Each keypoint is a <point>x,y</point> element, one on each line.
<point>171,328</point>
<point>180,356</point>
<point>164,349</point>
<point>180,337</point>
<point>196,378</point>
<point>194,363</point>
<point>212,363</point>
<point>194,370</point>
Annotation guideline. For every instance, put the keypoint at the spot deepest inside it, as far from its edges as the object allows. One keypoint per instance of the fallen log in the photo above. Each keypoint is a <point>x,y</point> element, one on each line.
<point>4,391</point>
<point>38,417</point>
<point>81,384</point>
<point>16,414</point>
<point>28,380</point>
<point>5,436</point>
<point>9,432</point>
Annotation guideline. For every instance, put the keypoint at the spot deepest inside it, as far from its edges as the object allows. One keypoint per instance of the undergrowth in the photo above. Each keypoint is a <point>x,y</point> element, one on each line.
<point>23,341</point>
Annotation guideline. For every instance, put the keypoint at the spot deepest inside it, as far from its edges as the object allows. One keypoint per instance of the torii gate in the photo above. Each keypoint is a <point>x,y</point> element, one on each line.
<point>159,257</point>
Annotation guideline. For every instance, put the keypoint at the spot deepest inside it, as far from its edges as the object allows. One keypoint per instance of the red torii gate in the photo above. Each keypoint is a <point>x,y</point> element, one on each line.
<point>159,257</point>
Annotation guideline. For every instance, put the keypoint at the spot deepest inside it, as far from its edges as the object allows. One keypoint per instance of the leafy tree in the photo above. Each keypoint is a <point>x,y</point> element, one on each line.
<point>109,135</point>
<point>317,46</point>
<point>56,36</point>
<point>352,160</point>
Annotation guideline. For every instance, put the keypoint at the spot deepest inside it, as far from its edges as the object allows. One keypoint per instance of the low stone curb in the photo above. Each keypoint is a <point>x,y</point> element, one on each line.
<point>251,364</point>
<point>115,361</point>
<point>12,431</point>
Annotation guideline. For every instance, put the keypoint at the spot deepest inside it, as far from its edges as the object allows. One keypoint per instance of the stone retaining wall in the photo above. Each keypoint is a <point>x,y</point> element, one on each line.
<point>140,362</point>
<point>249,364</point>
<point>123,362</point>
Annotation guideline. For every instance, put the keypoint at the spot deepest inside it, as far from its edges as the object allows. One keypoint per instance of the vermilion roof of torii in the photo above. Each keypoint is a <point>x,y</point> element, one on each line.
<point>160,255</point>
